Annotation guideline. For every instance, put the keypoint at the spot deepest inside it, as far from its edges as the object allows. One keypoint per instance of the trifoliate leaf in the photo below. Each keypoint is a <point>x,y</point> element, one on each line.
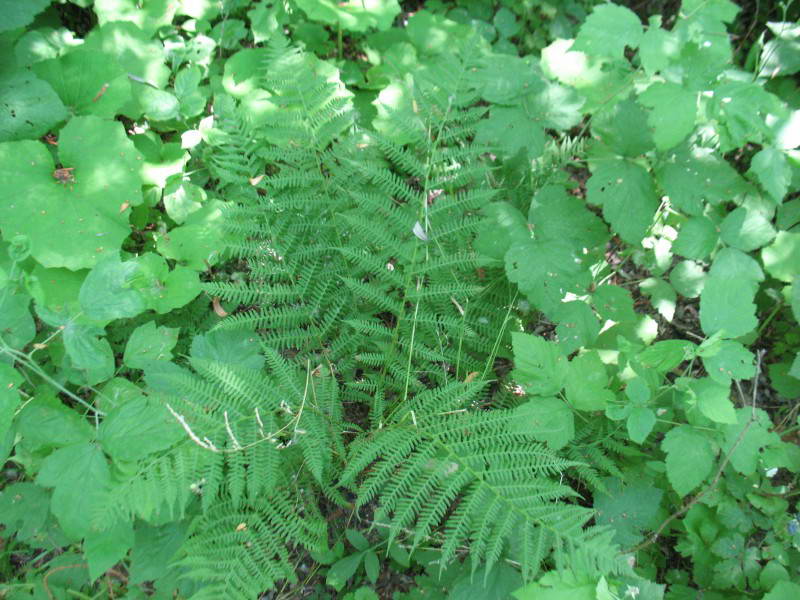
<point>149,343</point>
<point>545,419</point>
<point>80,475</point>
<point>352,15</point>
<point>713,400</point>
<point>29,107</point>
<point>746,230</point>
<point>628,508</point>
<point>673,114</point>
<point>626,193</point>
<point>697,238</point>
<point>83,216</point>
<point>640,423</point>
<point>689,458</point>
<point>731,361</point>
<point>608,30</point>
<point>688,278</point>
<point>773,172</point>
<point>782,257</point>
<point>138,428</point>
<point>586,383</point>
<point>107,294</point>
<point>541,368</point>
<point>745,457</point>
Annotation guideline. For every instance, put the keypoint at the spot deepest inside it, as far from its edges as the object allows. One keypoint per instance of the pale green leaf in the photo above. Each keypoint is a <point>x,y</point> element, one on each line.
<point>29,107</point>
<point>746,230</point>
<point>148,343</point>
<point>673,113</point>
<point>697,238</point>
<point>746,456</point>
<point>586,381</point>
<point>773,172</point>
<point>545,419</point>
<point>688,278</point>
<point>577,325</point>
<point>665,355</point>
<point>625,191</point>
<point>18,13</point>
<point>662,296</point>
<point>623,127</point>
<point>17,327</point>
<point>784,590</point>
<point>47,423</point>
<point>103,549</point>
<point>689,458</point>
<point>731,361</point>
<point>541,368</point>
<point>713,400</point>
<point>10,381</point>
<point>107,294</point>
<point>148,15</point>
<point>89,353</point>
<point>628,508</point>
<point>658,47</point>
<point>229,346</point>
<point>782,257</point>
<point>608,30</point>
<point>504,226</point>
<point>352,15</point>
<point>640,423</point>
<point>556,216</point>
<point>138,428</point>
<point>509,130</point>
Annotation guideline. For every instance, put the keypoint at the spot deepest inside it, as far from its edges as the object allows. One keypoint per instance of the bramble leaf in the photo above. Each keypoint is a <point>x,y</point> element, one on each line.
<point>773,172</point>
<point>586,383</point>
<point>607,30</point>
<point>640,423</point>
<point>541,368</point>
<point>673,113</point>
<point>689,458</point>
<point>546,419</point>
<point>713,400</point>
<point>730,361</point>
<point>782,257</point>
<point>149,343</point>
<point>628,508</point>
<point>625,191</point>
<point>746,230</point>
<point>697,238</point>
<point>138,428</point>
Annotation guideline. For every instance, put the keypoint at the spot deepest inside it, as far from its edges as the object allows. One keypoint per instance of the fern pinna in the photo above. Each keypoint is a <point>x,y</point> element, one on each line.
<point>363,290</point>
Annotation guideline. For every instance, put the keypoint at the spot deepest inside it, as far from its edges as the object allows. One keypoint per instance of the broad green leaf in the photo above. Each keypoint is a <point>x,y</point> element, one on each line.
<point>782,257</point>
<point>556,216</point>
<point>88,352</point>
<point>746,230</point>
<point>640,423</point>
<point>148,15</point>
<point>505,22</point>
<point>726,302</point>
<point>10,381</point>
<point>80,475</point>
<point>159,105</point>
<point>24,507</point>
<point>138,428</point>
<point>586,381</point>
<point>689,458</point>
<point>577,325</point>
<point>29,107</point>
<point>658,47</point>
<point>17,327</point>
<point>773,172</point>
<point>545,419</point>
<point>730,262</point>
<point>713,400</point>
<point>614,303</point>
<point>495,583</point>
<point>608,30</point>
<point>746,457</point>
<point>228,33</point>
<point>554,106</point>
<point>352,15</point>
<point>263,21</point>
<point>662,296</point>
<point>19,14</point>
<point>783,590</point>
<point>546,272</point>
<point>625,191</point>
<point>738,107</point>
<point>103,549</point>
<point>504,79</point>
<point>87,218</point>
<point>182,198</point>
<point>46,423</point>
<point>153,549</point>
<point>510,130</point>
<point>783,383</point>
<point>87,81</point>
<point>557,585</point>
<point>731,361</point>
<point>638,391</point>
<point>628,508</point>
<point>342,570</point>
<point>229,346</point>
<point>623,127</point>
<point>106,293</point>
<point>541,368</point>
<point>697,238</point>
<point>149,343</point>
<point>692,176</point>
<point>198,243</point>
<point>504,226</point>
<point>673,113</point>
<point>688,278</point>
<point>56,289</point>
<point>665,355</point>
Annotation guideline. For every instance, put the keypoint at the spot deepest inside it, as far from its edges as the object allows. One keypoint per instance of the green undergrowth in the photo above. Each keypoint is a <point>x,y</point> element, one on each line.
<point>447,300</point>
